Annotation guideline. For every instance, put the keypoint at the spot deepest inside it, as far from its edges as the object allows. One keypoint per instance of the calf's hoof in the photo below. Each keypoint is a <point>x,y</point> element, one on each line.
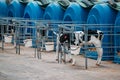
<point>63,60</point>
<point>70,61</point>
<point>97,64</point>
<point>56,59</point>
<point>73,64</point>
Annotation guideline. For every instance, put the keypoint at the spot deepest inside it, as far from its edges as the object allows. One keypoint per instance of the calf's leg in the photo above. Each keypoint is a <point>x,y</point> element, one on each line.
<point>97,44</point>
<point>100,53</point>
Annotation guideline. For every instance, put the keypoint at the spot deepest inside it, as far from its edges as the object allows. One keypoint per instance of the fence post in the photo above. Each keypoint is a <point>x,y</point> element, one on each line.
<point>86,34</point>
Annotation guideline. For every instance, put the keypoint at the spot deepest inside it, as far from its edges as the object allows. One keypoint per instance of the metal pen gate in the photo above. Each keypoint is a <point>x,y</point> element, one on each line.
<point>32,30</point>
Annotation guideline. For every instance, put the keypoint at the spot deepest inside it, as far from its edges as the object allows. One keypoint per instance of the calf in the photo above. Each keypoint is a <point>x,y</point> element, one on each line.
<point>93,37</point>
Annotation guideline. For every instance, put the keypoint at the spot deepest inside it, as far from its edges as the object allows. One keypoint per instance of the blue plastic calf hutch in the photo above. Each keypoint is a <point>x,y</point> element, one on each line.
<point>53,12</point>
<point>117,39</point>
<point>103,14</point>
<point>3,8</point>
<point>16,9</point>
<point>76,14</point>
<point>33,12</point>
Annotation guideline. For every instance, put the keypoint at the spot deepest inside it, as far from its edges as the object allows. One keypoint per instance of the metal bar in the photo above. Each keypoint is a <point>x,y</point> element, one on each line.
<point>86,60</point>
<point>2,31</point>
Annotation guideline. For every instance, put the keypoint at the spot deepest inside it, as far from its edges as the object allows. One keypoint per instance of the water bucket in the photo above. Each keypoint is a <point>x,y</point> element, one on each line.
<point>28,42</point>
<point>49,46</point>
<point>75,49</point>
<point>8,39</point>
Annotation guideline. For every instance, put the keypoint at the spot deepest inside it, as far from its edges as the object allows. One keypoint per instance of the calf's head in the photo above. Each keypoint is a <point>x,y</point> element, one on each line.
<point>64,38</point>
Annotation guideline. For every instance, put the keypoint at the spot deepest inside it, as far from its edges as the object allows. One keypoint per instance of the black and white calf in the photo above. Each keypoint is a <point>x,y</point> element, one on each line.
<point>93,37</point>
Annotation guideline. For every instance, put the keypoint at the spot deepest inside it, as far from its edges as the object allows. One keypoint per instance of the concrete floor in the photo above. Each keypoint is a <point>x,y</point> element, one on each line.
<point>26,67</point>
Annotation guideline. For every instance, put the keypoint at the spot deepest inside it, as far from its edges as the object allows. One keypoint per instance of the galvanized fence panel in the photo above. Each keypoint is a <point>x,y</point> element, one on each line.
<point>41,33</point>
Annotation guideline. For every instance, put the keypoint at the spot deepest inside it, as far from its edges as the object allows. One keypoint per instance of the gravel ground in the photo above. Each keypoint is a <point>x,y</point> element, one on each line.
<point>26,67</point>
